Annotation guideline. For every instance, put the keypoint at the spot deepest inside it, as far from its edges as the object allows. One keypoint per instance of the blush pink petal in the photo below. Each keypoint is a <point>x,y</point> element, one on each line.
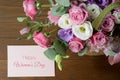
<point>106,52</point>
<point>53,19</point>
<point>114,59</point>
<point>108,23</point>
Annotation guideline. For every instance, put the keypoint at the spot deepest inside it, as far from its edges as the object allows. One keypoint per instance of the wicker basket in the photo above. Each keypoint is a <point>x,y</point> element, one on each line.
<point>94,53</point>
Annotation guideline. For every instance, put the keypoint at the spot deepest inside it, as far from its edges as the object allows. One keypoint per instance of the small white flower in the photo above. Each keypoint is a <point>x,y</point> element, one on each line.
<point>83,31</point>
<point>64,22</point>
<point>117,17</point>
<point>93,10</point>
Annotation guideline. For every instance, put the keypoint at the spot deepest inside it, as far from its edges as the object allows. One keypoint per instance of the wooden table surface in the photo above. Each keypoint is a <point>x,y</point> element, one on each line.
<point>75,68</point>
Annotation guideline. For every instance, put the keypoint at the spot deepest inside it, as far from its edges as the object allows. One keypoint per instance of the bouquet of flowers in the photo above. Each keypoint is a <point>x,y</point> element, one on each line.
<point>79,25</point>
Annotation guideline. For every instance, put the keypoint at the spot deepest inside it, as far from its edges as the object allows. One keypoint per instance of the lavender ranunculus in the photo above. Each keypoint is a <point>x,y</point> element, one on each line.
<point>108,23</point>
<point>101,3</point>
<point>65,34</point>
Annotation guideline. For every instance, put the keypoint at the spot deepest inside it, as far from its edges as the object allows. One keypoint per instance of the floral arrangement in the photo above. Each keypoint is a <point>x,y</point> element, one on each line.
<point>80,26</point>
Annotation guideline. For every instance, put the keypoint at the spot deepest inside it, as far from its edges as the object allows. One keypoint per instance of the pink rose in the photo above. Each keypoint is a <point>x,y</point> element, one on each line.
<point>41,39</point>
<point>29,8</point>
<point>53,19</point>
<point>108,23</point>
<point>98,39</point>
<point>78,15</point>
<point>117,9</point>
<point>76,45</point>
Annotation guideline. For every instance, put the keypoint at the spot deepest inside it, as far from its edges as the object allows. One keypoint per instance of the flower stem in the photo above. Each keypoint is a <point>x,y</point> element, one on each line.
<point>51,2</point>
<point>53,30</point>
<point>45,6</point>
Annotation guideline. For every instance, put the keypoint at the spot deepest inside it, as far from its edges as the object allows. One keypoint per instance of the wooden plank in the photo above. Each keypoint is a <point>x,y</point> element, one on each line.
<point>73,70</point>
<point>9,11</point>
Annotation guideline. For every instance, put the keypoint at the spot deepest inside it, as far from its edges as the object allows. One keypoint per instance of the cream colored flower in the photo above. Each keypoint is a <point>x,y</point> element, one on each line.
<point>93,10</point>
<point>117,17</point>
<point>64,22</point>
<point>83,31</point>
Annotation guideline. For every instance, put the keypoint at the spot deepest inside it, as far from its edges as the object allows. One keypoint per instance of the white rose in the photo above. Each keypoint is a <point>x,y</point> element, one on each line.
<point>64,22</point>
<point>117,17</point>
<point>83,31</point>
<point>93,10</point>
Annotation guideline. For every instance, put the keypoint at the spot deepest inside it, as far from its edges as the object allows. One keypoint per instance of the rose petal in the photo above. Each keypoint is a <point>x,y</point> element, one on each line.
<point>110,60</point>
<point>114,59</point>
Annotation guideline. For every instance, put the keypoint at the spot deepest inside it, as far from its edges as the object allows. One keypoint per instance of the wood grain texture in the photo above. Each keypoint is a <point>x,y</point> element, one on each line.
<point>75,68</point>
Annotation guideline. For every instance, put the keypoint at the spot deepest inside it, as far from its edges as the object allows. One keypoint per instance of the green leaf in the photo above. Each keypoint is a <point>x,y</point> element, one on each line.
<point>65,43</point>
<point>28,23</point>
<point>21,19</point>
<point>111,53</point>
<point>51,2</point>
<point>50,53</point>
<point>29,36</point>
<point>58,10</point>
<point>65,3</point>
<point>97,22</point>
<point>47,34</point>
<point>59,66</point>
<point>60,47</point>
<point>39,29</point>
<point>58,60</point>
<point>38,5</point>
<point>82,52</point>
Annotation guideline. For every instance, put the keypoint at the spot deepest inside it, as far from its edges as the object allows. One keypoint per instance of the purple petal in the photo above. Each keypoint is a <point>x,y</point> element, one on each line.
<point>65,34</point>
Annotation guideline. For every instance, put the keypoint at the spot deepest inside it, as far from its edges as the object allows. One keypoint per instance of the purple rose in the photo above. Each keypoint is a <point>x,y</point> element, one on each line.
<point>101,3</point>
<point>65,34</point>
<point>108,23</point>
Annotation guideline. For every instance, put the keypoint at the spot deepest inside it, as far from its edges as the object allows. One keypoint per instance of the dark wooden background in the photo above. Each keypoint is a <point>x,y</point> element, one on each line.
<point>75,68</point>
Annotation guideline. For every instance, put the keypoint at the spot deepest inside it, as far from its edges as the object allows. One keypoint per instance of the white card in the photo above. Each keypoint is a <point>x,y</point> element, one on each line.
<point>29,61</point>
